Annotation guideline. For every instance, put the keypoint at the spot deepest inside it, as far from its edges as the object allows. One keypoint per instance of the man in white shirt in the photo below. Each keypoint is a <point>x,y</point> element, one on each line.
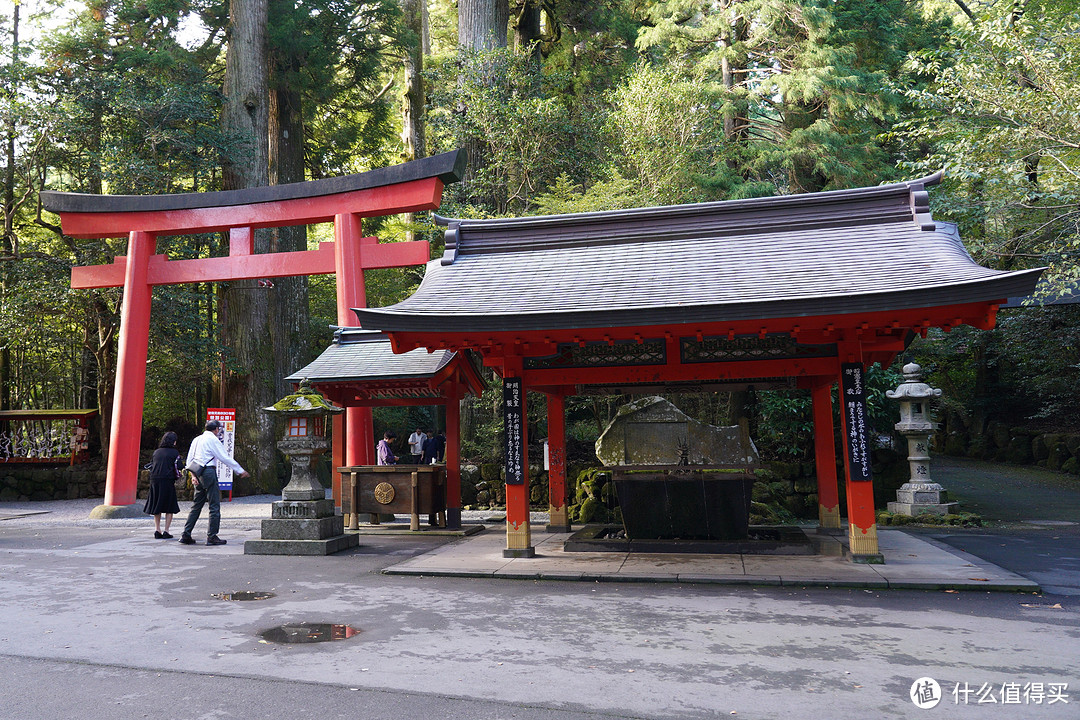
<point>204,451</point>
<point>416,444</point>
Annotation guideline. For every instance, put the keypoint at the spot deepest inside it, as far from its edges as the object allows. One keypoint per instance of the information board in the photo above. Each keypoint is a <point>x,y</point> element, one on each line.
<point>514,427</point>
<point>853,396</point>
<point>227,436</point>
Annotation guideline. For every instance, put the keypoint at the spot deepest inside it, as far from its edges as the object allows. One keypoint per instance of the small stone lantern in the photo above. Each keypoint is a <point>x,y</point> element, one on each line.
<point>919,494</point>
<point>304,521</point>
<point>304,440</point>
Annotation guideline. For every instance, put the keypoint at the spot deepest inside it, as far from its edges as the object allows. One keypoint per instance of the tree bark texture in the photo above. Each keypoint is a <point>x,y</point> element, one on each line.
<point>413,103</point>
<point>250,382</point>
<point>482,24</point>
<point>527,33</point>
<point>289,313</point>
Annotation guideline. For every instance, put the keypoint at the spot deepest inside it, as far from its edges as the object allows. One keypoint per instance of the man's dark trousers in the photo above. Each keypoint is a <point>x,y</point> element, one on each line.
<point>206,491</point>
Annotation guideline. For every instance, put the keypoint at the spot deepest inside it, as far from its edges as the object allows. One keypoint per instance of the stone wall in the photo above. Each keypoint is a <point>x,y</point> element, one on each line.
<point>484,486</point>
<point>23,483</point>
<point>1020,446</point>
<point>20,483</point>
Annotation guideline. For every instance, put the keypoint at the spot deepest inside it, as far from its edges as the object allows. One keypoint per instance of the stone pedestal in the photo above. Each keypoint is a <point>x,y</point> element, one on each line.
<point>302,527</point>
<point>922,498</point>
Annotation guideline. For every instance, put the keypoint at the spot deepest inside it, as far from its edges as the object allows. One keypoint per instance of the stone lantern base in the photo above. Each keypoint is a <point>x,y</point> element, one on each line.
<point>302,527</point>
<point>922,498</point>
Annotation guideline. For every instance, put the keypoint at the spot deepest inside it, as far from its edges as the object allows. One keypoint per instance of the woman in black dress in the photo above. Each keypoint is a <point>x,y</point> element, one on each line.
<point>164,470</point>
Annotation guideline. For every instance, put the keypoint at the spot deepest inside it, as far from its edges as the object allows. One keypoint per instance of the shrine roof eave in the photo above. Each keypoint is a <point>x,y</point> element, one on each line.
<point>362,358</point>
<point>935,300</point>
<point>448,167</point>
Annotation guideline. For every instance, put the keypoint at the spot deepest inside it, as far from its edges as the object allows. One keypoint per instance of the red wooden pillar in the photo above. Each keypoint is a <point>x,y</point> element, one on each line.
<point>518,529</point>
<point>122,477</point>
<point>453,460</point>
<point>559,520</point>
<point>862,520</point>
<point>348,265</point>
<point>825,457</point>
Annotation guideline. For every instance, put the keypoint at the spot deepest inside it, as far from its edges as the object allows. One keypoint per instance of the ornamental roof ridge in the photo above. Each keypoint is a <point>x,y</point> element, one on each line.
<point>905,201</point>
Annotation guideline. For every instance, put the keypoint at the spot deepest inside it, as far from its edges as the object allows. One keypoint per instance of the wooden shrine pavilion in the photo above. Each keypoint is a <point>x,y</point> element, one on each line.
<point>811,288</point>
<point>361,370</point>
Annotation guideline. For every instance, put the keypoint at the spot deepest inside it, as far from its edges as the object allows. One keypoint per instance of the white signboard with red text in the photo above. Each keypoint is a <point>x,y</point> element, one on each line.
<point>227,435</point>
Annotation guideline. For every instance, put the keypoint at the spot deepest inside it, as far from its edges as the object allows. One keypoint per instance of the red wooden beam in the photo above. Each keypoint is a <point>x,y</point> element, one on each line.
<point>162,271</point>
<point>695,372</point>
<point>423,194</point>
<point>810,329</point>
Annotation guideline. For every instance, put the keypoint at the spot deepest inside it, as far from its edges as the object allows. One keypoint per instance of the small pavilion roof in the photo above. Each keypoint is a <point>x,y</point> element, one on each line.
<point>358,355</point>
<point>816,254</point>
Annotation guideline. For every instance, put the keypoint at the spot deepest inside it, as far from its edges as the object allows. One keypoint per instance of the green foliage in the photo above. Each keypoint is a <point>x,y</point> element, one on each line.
<point>1023,372</point>
<point>1000,117</point>
<point>521,135</point>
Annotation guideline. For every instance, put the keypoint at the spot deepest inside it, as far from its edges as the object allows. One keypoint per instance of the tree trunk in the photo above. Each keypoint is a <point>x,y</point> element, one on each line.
<point>527,35</point>
<point>425,29</point>
<point>289,313</point>
<point>412,107</point>
<point>8,243</point>
<point>244,314</point>
<point>482,24</point>
<point>104,350</point>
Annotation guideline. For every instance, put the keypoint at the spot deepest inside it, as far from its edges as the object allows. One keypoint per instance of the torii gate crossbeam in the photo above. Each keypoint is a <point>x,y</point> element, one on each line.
<point>345,201</point>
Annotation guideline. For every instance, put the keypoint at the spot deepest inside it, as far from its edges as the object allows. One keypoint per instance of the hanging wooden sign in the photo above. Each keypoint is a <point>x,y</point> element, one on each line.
<point>853,397</point>
<point>514,428</point>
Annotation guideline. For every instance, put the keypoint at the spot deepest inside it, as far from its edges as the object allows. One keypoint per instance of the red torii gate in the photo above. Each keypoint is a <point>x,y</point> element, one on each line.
<point>345,201</point>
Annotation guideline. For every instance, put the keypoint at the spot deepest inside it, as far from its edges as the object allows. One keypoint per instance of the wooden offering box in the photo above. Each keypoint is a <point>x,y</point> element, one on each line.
<point>412,489</point>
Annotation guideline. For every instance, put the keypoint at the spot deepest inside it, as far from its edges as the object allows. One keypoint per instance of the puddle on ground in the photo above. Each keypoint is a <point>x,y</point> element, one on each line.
<point>308,633</point>
<point>244,595</point>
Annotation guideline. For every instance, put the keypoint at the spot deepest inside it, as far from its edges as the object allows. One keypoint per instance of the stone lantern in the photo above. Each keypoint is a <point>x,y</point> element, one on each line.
<point>303,522</point>
<point>919,494</point>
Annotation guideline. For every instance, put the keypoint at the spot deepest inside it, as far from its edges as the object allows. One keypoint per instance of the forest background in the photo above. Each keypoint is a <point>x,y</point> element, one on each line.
<point>564,107</point>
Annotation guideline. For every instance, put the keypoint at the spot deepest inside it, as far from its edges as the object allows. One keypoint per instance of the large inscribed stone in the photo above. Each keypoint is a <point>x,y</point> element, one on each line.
<point>652,431</point>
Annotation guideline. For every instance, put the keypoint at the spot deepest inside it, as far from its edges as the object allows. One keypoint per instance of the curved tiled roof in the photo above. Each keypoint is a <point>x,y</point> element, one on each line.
<point>358,355</point>
<point>845,251</point>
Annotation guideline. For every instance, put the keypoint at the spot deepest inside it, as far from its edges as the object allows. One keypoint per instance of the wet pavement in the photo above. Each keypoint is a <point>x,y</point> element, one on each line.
<point>100,620</point>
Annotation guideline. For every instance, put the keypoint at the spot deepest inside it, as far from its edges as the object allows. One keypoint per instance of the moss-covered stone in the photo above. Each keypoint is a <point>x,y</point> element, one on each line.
<point>1019,450</point>
<point>1072,442</point>
<point>1039,449</point>
<point>490,472</point>
<point>538,495</point>
<point>956,444</point>
<point>1058,455</point>
<point>1072,465</point>
<point>806,486</point>
<point>592,511</point>
<point>999,433</point>
<point>785,470</point>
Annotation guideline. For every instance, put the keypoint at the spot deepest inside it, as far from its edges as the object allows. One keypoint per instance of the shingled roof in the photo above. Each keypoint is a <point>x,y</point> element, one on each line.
<point>845,251</point>
<point>358,355</point>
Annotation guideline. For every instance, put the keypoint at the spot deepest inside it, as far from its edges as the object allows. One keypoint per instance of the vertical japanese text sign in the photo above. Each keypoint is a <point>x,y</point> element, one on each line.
<point>514,426</point>
<point>227,418</point>
<point>853,397</point>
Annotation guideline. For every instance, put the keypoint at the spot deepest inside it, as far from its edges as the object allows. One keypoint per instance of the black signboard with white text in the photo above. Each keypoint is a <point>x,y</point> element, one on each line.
<point>853,397</point>
<point>514,427</point>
